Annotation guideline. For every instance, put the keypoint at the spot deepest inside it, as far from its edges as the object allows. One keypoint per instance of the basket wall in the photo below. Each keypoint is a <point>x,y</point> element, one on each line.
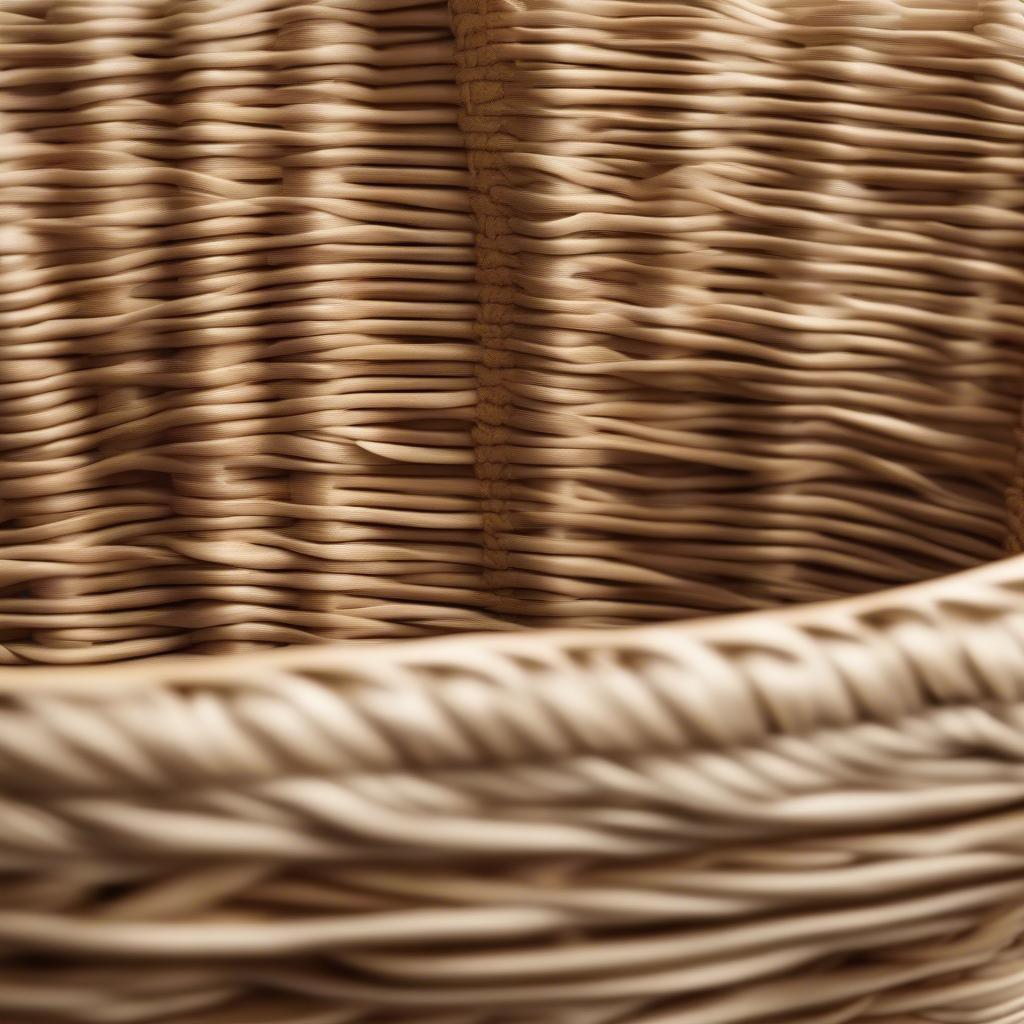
<point>373,320</point>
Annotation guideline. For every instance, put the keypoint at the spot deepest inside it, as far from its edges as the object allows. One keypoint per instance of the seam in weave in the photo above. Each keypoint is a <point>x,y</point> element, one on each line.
<point>480,72</point>
<point>1015,497</point>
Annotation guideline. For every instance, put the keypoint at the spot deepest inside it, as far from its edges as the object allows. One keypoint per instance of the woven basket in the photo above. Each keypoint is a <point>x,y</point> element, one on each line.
<point>659,363</point>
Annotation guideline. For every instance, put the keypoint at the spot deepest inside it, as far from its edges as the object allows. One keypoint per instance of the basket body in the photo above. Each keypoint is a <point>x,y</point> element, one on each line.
<point>358,359</point>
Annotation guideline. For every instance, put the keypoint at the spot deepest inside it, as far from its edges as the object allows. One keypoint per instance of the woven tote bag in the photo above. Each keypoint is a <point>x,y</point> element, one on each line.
<point>504,512</point>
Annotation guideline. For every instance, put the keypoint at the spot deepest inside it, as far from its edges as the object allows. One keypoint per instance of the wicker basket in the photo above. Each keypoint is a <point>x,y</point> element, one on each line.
<point>540,468</point>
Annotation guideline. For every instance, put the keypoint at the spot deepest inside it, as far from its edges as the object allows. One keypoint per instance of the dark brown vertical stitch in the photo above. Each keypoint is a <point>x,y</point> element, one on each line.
<point>482,73</point>
<point>1015,499</point>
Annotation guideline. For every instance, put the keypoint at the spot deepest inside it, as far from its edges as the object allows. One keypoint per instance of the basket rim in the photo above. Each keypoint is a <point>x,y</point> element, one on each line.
<point>946,655</point>
<point>942,630</point>
<point>995,588</point>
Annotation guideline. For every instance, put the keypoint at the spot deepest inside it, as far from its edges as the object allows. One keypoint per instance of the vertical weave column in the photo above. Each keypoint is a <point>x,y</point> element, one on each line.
<point>212,377</point>
<point>482,76</point>
<point>78,400</point>
<point>1015,499</point>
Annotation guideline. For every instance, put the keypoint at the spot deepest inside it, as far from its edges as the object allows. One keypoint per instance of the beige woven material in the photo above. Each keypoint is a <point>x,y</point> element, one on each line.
<point>741,326</point>
<point>368,320</point>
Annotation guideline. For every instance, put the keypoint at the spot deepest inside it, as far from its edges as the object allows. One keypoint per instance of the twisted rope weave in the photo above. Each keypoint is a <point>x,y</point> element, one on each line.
<point>745,818</point>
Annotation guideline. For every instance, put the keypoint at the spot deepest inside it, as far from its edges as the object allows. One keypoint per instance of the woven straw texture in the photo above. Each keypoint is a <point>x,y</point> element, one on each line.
<point>329,325</point>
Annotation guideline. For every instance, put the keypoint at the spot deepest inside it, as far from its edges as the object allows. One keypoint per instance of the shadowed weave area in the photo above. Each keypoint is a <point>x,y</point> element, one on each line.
<point>371,320</point>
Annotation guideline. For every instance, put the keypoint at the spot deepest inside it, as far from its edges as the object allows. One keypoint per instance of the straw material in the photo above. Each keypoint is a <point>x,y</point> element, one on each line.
<point>740,326</point>
<point>367,320</point>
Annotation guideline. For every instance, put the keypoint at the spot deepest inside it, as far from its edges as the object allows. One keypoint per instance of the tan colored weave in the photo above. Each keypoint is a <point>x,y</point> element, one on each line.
<point>742,324</point>
<point>367,320</point>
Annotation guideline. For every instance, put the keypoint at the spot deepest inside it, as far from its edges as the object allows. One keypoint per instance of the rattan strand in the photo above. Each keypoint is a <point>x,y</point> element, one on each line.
<point>370,320</point>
